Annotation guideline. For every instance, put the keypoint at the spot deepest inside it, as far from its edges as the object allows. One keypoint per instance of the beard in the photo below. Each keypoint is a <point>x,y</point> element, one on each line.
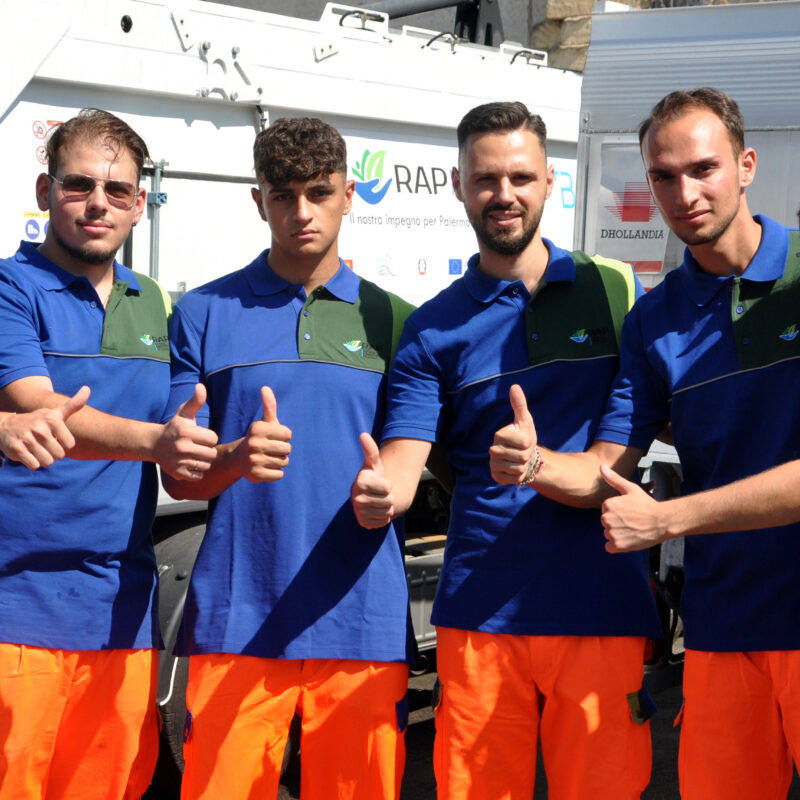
<point>705,237</point>
<point>505,243</point>
<point>85,254</point>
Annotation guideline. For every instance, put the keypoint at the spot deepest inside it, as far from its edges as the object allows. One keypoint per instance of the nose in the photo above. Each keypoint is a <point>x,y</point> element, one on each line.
<point>504,191</point>
<point>97,197</point>
<point>303,208</point>
<point>686,188</point>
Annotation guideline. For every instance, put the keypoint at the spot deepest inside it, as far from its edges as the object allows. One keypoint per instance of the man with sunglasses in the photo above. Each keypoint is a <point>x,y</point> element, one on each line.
<point>78,626</point>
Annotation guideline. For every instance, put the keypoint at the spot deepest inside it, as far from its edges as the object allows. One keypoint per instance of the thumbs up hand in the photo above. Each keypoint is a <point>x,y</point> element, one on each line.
<point>75,403</point>
<point>189,409</point>
<point>185,450</point>
<point>632,520</point>
<point>513,450</point>
<point>264,451</point>
<point>371,492</point>
<point>38,438</point>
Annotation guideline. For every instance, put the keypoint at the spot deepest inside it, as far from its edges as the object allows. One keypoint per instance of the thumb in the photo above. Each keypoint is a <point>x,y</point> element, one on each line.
<point>270,405</point>
<point>190,408</point>
<point>519,404</point>
<point>372,455</point>
<point>616,481</point>
<point>75,403</point>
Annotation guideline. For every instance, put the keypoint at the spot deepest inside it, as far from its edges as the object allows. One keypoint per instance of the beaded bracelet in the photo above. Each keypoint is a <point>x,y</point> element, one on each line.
<point>529,477</point>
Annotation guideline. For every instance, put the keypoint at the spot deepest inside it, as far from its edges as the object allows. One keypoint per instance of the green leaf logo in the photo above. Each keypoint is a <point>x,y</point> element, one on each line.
<point>580,336</point>
<point>370,166</point>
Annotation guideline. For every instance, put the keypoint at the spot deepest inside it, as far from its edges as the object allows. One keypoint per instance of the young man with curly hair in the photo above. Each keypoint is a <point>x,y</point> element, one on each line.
<point>292,608</point>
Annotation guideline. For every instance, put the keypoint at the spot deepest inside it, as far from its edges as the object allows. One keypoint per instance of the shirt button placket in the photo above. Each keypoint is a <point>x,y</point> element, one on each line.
<point>305,322</point>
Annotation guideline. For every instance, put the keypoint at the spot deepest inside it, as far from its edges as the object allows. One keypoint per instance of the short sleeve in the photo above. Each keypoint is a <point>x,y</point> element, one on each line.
<point>415,399</point>
<point>21,353</point>
<point>638,404</point>
<point>185,345</point>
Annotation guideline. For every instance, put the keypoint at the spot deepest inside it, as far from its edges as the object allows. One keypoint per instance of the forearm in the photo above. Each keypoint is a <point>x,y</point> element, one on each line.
<point>387,481</point>
<point>765,500</point>
<point>575,479</point>
<point>224,471</point>
<point>97,435</point>
<point>404,488</point>
<point>571,478</point>
<point>403,461</point>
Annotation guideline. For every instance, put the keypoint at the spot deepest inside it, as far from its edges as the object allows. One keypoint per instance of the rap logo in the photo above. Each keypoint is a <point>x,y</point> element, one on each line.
<point>369,172</point>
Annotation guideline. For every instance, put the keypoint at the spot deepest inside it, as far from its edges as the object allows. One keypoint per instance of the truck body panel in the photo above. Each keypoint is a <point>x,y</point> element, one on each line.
<point>198,80</point>
<point>751,51</point>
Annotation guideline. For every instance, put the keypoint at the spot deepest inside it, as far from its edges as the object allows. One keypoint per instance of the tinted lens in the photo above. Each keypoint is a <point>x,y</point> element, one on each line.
<point>77,185</point>
<point>121,191</point>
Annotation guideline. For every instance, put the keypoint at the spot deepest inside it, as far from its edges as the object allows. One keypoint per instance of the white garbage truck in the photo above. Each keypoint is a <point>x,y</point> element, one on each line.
<point>198,80</point>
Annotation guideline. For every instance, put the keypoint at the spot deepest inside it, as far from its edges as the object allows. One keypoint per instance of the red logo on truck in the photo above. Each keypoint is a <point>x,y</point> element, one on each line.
<point>634,203</point>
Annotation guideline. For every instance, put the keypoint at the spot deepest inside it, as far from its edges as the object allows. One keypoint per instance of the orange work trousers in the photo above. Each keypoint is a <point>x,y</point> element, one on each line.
<point>499,690</point>
<point>77,725</point>
<point>740,725</point>
<point>353,713</point>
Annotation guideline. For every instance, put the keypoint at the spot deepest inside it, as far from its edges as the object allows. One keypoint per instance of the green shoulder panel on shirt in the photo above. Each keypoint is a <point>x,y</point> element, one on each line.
<point>620,286</point>
<point>581,320</point>
<point>363,334</point>
<point>766,315</point>
<point>136,322</point>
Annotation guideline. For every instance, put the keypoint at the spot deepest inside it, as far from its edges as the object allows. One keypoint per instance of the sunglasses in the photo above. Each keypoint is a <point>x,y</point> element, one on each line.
<point>120,194</point>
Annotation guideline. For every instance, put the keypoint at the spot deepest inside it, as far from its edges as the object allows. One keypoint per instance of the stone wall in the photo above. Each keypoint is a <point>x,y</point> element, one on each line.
<point>563,27</point>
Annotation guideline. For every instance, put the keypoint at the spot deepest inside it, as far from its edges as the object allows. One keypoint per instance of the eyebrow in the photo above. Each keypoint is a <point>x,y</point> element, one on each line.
<point>710,158</point>
<point>320,184</point>
<point>490,173</point>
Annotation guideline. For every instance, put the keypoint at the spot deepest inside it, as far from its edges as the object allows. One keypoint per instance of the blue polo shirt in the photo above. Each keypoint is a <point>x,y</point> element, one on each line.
<point>516,562</point>
<point>719,358</point>
<point>77,569</point>
<point>285,570</point>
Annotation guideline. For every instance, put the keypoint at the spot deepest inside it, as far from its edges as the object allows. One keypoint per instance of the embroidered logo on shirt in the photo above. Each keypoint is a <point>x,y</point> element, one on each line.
<point>596,337</point>
<point>151,342</point>
<point>789,334</point>
<point>580,336</point>
<point>364,349</point>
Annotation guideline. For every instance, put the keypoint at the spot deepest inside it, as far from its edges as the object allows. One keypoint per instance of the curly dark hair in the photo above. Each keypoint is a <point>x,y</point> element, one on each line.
<point>298,149</point>
<point>501,118</point>
<point>94,124</point>
<point>676,104</point>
